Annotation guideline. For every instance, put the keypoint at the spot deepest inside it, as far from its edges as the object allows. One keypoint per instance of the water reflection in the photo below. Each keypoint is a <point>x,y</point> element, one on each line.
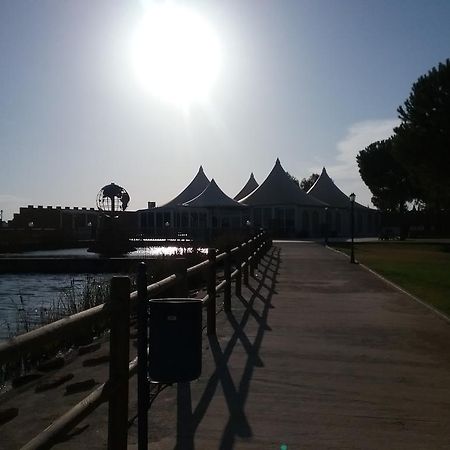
<point>141,252</point>
<point>30,294</point>
<point>25,298</point>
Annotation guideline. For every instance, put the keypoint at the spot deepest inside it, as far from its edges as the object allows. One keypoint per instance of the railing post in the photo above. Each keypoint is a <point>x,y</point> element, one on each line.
<point>253,256</point>
<point>181,289</point>
<point>238,261</point>
<point>211,307</point>
<point>143,388</point>
<point>246,254</point>
<point>267,243</point>
<point>119,343</point>
<point>257,252</point>
<point>260,250</point>
<point>227,290</point>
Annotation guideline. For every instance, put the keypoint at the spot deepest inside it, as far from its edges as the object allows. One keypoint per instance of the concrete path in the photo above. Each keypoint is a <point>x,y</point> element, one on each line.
<point>316,354</point>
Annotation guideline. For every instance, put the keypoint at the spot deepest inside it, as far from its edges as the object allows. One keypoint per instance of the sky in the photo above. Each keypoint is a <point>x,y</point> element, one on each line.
<point>311,82</point>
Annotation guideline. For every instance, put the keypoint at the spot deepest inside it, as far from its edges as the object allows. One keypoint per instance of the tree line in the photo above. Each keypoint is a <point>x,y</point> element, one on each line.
<point>412,166</point>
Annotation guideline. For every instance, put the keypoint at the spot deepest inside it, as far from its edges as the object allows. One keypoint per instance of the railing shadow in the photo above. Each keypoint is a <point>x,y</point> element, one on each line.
<point>235,393</point>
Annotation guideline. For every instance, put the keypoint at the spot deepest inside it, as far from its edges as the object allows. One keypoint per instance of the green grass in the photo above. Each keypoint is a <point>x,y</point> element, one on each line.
<point>421,269</point>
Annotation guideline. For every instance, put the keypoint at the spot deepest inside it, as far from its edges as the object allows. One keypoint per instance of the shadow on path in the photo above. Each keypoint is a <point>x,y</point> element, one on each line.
<point>188,420</point>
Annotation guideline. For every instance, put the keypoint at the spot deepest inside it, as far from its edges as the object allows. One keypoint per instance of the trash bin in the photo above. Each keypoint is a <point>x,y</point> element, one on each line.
<point>175,340</point>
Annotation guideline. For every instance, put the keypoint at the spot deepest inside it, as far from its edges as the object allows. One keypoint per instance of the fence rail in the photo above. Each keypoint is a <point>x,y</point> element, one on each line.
<point>115,389</point>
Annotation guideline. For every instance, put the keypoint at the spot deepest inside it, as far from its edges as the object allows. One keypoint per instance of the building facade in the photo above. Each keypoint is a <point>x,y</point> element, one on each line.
<point>277,205</point>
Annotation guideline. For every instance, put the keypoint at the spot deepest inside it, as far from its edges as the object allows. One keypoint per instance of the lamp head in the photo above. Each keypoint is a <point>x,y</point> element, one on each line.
<point>352,197</point>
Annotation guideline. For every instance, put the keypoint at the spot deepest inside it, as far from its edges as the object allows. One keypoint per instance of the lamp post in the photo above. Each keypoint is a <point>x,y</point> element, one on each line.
<point>326,226</point>
<point>167,225</point>
<point>30,227</point>
<point>91,230</point>
<point>352,197</point>
<point>248,225</point>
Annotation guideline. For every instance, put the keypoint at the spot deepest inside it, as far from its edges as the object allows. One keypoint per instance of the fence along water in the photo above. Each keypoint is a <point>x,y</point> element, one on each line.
<point>115,389</point>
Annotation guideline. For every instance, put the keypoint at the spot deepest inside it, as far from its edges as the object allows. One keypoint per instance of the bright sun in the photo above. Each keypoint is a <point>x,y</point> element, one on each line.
<point>176,54</point>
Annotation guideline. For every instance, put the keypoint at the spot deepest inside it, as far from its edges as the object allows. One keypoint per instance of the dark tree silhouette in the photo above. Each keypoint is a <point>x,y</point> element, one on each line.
<point>294,179</point>
<point>422,141</point>
<point>386,178</point>
<point>307,183</point>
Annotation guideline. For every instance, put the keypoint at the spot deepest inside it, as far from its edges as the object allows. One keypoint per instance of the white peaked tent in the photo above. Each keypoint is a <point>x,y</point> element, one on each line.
<point>213,197</point>
<point>279,205</point>
<point>248,188</point>
<point>338,214</point>
<point>279,189</point>
<point>325,190</point>
<point>221,211</point>
<point>194,188</point>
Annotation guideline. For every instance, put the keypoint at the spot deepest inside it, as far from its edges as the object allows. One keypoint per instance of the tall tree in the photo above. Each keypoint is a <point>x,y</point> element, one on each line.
<point>307,183</point>
<point>422,141</point>
<point>386,178</point>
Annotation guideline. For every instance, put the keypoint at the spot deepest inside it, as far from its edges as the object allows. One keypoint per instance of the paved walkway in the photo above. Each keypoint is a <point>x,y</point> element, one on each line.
<point>316,354</point>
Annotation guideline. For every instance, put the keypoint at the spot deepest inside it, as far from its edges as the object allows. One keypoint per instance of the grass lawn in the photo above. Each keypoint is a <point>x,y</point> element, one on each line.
<point>421,269</point>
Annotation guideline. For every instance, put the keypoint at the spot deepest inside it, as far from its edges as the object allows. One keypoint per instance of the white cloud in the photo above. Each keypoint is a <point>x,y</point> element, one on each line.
<point>345,171</point>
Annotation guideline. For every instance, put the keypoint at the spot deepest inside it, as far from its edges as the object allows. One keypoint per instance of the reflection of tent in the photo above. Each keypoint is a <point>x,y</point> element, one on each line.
<point>325,190</point>
<point>279,189</point>
<point>193,189</point>
<point>213,197</point>
<point>249,187</point>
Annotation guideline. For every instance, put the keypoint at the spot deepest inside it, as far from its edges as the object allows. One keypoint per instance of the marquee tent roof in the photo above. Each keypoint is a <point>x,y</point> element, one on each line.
<point>325,190</point>
<point>193,189</point>
<point>213,197</point>
<point>279,189</point>
<point>249,187</point>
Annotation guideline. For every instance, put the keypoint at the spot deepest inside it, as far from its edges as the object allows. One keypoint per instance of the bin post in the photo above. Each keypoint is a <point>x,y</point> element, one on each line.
<point>227,289</point>
<point>211,307</point>
<point>143,388</point>
<point>238,261</point>
<point>119,345</point>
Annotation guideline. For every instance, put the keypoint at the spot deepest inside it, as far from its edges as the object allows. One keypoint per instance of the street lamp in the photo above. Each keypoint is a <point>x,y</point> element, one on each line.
<point>167,225</point>
<point>326,225</point>
<point>352,197</point>
<point>248,226</point>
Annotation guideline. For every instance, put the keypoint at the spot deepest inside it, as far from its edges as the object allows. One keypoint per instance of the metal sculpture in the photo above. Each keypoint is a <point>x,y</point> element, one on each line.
<point>112,198</point>
<point>112,239</point>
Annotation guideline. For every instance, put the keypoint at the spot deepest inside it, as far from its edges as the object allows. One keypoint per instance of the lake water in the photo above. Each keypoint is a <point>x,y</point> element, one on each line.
<point>25,295</point>
<point>141,252</point>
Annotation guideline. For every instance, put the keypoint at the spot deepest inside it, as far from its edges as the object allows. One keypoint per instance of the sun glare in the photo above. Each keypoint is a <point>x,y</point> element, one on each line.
<point>176,54</point>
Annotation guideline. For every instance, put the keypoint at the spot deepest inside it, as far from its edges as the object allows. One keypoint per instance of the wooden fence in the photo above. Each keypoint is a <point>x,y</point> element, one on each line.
<point>243,258</point>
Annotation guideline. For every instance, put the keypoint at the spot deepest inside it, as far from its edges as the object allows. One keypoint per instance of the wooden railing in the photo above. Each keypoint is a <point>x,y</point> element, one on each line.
<point>244,258</point>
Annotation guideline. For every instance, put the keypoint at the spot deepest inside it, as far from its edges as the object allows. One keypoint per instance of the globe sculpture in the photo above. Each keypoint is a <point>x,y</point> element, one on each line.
<point>112,198</point>
<point>111,237</point>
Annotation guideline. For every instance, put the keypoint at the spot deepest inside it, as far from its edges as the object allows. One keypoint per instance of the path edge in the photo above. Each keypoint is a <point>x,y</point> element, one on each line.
<point>440,314</point>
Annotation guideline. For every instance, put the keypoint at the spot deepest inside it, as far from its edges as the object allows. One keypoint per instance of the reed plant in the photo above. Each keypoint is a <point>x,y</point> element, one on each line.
<point>70,301</point>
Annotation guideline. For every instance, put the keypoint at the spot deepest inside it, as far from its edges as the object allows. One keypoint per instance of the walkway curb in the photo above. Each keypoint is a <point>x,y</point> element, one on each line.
<point>441,315</point>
